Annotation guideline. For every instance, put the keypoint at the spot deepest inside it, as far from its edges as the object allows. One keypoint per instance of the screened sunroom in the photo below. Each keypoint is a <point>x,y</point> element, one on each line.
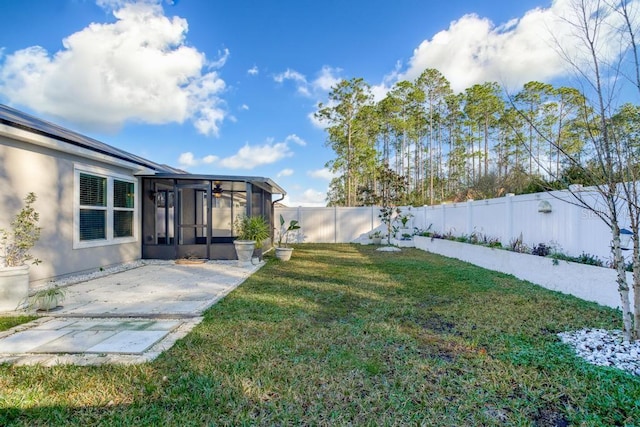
<point>192,216</point>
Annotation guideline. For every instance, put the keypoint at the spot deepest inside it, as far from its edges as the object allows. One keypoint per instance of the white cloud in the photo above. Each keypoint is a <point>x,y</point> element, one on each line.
<point>327,79</point>
<point>285,172</point>
<point>315,121</point>
<point>187,160</point>
<point>111,4</point>
<point>250,156</point>
<point>309,197</point>
<point>296,140</point>
<point>253,71</point>
<point>244,107</point>
<point>473,50</point>
<point>247,157</point>
<point>299,79</point>
<point>209,159</point>
<point>138,69</point>
<point>323,173</point>
<point>222,59</point>
<point>290,75</point>
<point>380,90</point>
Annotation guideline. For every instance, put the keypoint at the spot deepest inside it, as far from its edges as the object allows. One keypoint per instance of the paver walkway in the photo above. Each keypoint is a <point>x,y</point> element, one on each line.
<point>127,317</point>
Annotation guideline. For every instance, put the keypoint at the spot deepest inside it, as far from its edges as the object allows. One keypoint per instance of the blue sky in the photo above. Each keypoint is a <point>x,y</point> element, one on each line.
<point>230,87</point>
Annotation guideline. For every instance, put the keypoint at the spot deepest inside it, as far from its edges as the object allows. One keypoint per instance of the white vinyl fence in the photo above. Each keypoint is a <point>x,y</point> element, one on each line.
<point>539,218</point>
<point>331,225</point>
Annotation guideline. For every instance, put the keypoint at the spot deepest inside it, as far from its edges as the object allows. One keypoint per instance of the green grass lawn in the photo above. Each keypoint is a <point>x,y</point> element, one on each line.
<point>7,323</point>
<point>345,335</point>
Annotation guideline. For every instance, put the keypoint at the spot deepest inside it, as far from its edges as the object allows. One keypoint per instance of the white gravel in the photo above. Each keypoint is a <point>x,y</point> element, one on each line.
<point>79,278</point>
<point>604,348</point>
<point>389,249</point>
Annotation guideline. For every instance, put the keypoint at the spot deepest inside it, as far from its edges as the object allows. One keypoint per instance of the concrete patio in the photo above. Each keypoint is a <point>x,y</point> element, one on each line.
<point>124,318</point>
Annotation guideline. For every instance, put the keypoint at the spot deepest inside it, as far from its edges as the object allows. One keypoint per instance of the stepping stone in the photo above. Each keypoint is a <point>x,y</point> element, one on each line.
<point>131,342</point>
<point>26,341</point>
<point>75,342</point>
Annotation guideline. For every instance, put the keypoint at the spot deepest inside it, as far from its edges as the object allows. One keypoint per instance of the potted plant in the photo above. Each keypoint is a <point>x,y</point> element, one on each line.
<point>283,251</point>
<point>15,244</point>
<point>251,232</point>
<point>376,237</point>
<point>46,299</point>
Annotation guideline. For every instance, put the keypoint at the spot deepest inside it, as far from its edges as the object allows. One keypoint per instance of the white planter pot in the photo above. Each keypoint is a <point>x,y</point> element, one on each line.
<point>244,251</point>
<point>284,254</point>
<point>591,283</point>
<point>47,303</point>
<point>14,287</point>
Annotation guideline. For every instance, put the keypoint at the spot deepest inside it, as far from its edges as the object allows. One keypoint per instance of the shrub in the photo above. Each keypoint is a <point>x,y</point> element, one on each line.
<point>516,245</point>
<point>541,250</point>
<point>583,258</point>
<point>24,233</point>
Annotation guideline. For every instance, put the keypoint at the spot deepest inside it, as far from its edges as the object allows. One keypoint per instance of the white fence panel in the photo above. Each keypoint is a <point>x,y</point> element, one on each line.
<point>354,222</point>
<point>318,225</point>
<point>573,229</point>
<point>489,218</point>
<point>331,224</point>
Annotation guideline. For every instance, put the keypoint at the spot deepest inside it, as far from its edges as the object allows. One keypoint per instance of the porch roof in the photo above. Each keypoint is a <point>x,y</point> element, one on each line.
<point>265,183</point>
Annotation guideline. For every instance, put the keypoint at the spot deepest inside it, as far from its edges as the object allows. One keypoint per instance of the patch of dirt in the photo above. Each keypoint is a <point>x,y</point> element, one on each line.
<point>437,323</point>
<point>549,417</point>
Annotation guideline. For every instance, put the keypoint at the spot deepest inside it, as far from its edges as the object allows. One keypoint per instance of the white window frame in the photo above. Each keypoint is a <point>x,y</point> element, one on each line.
<point>110,209</point>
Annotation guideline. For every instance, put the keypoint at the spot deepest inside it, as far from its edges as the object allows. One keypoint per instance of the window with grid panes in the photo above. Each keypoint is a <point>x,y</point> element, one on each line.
<point>93,207</point>
<point>105,213</point>
<point>123,207</point>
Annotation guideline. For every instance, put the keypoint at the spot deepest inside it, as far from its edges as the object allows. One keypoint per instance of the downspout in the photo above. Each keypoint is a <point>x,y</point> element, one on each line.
<point>273,214</point>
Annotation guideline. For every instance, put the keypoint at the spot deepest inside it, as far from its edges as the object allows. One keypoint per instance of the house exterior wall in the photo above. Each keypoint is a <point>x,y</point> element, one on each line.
<point>49,173</point>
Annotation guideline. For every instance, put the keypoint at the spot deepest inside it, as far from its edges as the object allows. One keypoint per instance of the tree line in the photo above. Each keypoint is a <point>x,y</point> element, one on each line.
<point>434,145</point>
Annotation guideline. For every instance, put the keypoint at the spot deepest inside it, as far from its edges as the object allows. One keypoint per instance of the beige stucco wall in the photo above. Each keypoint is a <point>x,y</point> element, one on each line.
<point>49,173</point>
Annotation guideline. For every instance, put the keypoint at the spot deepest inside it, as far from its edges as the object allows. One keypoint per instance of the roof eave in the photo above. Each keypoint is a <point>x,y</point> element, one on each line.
<point>52,143</point>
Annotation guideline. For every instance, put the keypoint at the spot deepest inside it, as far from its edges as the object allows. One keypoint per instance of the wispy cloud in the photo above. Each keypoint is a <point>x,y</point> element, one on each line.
<point>253,71</point>
<point>323,173</point>
<point>296,140</point>
<point>328,77</point>
<point>298,78</point>
<point>308,197</point>
<point>188,160</point>
<point>250,156</point>
<point>285,172</point>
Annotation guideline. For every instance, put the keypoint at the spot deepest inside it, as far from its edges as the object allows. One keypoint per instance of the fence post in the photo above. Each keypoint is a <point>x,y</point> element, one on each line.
<point>299,218</point>
<point>371,217</point>
<point>425,226</point>
<point>469,217</point>
<point>335,224</point>
<point>577,233</point>
<point>508,205</point>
